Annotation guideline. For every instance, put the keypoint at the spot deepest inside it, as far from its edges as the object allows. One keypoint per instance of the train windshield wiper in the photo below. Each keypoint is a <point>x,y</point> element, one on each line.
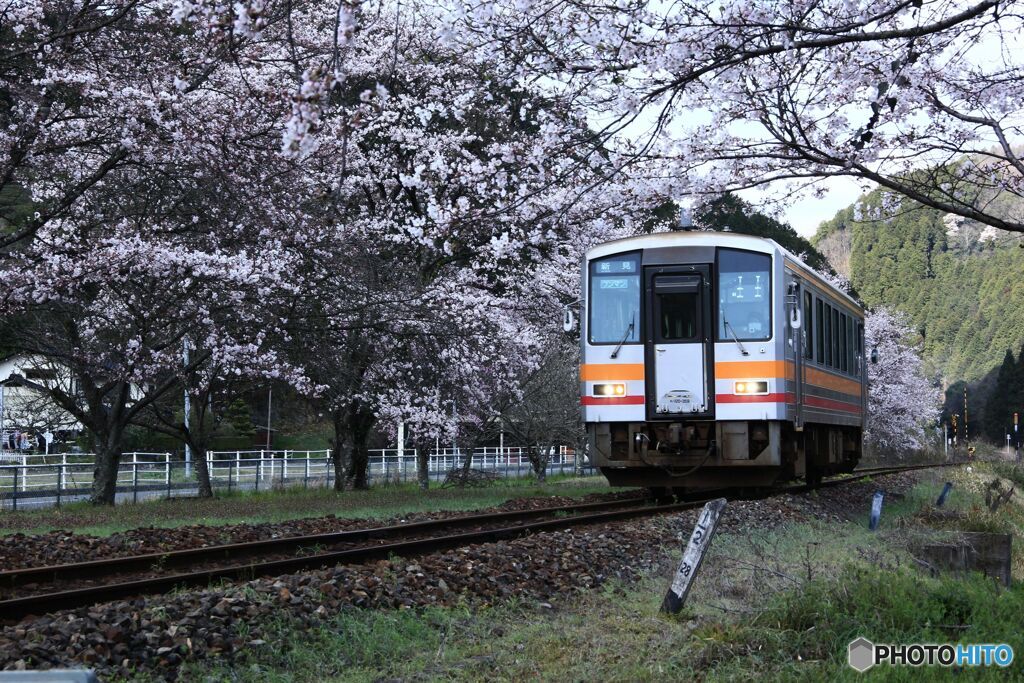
<point>629,331</point>
<point>736,339</point>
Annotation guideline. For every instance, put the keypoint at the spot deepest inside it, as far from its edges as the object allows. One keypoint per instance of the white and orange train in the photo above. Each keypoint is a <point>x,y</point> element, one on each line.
<point>717,360</point>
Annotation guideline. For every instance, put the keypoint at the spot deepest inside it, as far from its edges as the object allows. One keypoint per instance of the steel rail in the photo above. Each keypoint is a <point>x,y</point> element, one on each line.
<point>74,571</point>
<point>16,608</point>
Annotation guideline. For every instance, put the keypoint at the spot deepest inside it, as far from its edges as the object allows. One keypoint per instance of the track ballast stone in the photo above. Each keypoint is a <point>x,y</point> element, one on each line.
<point>157,634</point>
<point>19,551</point>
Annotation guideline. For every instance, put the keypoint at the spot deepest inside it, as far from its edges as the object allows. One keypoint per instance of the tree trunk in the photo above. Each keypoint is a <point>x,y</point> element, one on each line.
<point>423,464</point>
<point>467,454</point>
<point>104,476</point>
<point>539,462</point>
<point>581,450</point>
<point>203,482</point>
<point>338,450</point>
<point>360,454</point>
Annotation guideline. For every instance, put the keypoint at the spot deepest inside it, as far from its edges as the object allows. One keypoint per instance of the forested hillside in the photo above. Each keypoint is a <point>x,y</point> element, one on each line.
<point>963,287</point>
<point>961,284</point>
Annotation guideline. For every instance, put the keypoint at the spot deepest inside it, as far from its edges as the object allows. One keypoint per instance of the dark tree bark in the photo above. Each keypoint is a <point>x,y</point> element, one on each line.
<point>338,443</point>
<point>108,460</point>
<point>580,448</point>
<point>423,464</point>
<point>205,486</point>
<point>360,424</point>
<point>539,461</point>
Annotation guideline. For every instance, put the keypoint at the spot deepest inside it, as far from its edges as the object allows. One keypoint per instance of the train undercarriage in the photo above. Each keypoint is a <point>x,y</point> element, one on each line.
<point>707,454</point>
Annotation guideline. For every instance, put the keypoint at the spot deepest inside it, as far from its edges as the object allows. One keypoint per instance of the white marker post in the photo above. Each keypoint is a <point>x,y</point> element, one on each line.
<point>693,556</point>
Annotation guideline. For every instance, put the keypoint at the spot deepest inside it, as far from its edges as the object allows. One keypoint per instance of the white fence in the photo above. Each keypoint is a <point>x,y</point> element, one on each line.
<point>43,480</point>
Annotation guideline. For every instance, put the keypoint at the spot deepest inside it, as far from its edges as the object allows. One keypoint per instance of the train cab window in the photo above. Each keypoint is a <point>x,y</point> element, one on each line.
<point>744,295</point>
<point>844,359</point>
<point>808,330</point>
<point>615,300</point>
<point>819,331</point>
<point>677,307</point>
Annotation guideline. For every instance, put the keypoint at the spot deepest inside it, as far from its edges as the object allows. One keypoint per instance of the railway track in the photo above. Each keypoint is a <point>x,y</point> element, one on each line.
<point>126,577</point>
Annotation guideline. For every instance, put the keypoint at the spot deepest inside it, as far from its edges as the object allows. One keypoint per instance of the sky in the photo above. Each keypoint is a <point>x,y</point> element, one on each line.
<point>806,214</point>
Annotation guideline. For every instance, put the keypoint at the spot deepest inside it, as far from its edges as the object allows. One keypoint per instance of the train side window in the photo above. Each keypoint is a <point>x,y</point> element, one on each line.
<point>819,331</point>
<point>836,331</point>
<point>808,330</point>
<point>844,359</point>
<point>860,348</point>
<point>828,335</point>
<point>850,333</point>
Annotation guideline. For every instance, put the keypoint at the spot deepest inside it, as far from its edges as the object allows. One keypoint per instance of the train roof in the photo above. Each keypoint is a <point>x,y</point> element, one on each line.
<point>709,238</point>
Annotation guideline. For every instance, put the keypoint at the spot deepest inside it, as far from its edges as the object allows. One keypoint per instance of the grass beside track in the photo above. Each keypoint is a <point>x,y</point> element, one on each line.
<point>768,605</point>
<point>379,502</point>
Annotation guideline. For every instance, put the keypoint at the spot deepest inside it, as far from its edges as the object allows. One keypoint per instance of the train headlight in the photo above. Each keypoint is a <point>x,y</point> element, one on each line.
<point>609,390</point>
<point>752,386</point>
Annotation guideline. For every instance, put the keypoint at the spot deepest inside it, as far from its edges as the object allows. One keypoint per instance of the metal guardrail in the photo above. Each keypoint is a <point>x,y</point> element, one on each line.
<point>43,481</point>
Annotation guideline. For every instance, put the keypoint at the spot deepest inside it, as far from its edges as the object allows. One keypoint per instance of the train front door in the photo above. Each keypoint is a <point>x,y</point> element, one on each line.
<point>679,323</point>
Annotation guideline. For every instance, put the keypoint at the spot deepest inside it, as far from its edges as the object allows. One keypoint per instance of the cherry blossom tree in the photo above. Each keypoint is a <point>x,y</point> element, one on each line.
<point>244,175</point>
<point>902,402</point>
<point>151,222</point>
<point>922,97</point>
<point>546,414</point>
<point>445,190</point>
<point>160,211</point>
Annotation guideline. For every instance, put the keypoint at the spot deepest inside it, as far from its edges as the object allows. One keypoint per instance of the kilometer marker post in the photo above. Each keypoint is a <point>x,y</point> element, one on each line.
<point>693,556</point>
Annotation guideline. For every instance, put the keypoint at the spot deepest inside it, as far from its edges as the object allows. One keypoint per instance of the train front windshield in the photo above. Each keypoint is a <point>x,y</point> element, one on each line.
<point>615,300</point>
<point>744,296</point>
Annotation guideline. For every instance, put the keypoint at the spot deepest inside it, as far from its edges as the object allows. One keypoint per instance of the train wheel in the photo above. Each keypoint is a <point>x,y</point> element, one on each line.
<point>661,494</point>
<point>813,477</point>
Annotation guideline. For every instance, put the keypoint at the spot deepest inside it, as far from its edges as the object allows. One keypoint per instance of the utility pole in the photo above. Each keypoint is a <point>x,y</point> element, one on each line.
<point>270,396</point>
<point>3,434</point>
<point>455,443</point>
<point>188,410</point>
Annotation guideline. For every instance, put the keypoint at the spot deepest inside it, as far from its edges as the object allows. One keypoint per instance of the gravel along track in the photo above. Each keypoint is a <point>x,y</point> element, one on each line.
<point>77,584</point>
<point>157,634</point>
<point>18,551</point>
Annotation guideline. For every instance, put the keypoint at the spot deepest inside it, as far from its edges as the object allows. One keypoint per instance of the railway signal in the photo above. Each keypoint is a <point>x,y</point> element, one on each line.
<point>1016,436</point>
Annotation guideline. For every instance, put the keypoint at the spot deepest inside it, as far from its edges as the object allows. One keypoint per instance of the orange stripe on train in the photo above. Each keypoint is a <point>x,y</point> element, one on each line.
<point>785,369</point>
<point>751,369</point>
<point>601,372</point>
